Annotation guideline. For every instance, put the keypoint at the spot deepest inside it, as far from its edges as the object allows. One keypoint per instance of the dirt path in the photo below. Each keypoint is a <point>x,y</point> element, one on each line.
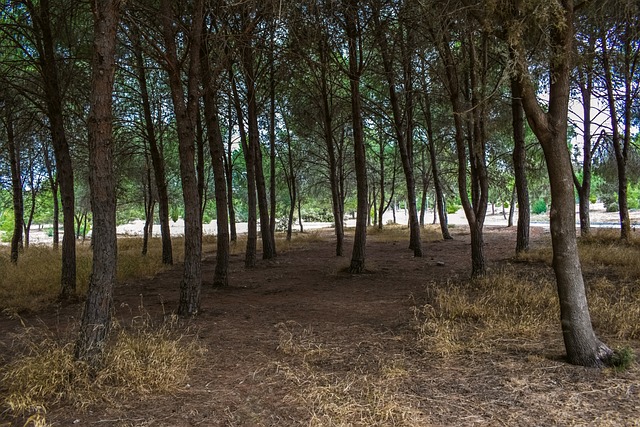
<point>299,324</point>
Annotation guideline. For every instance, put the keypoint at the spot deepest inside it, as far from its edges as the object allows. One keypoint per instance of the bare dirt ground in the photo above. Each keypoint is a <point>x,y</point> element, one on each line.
<point>297,341</point>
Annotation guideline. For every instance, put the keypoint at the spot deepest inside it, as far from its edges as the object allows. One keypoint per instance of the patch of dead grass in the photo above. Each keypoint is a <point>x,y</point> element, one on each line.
<point>141,360</point>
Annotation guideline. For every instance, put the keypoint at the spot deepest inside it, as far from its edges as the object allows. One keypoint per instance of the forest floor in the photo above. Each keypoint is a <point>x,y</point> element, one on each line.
<point>298,341</point>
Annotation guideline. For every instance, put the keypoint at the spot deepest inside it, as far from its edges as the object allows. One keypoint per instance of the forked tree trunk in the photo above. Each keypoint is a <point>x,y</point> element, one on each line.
<point>582,346</point>
<point>519,166</point>
<point>185,115</point>
<point>96,318</point>
<point>355,70</point>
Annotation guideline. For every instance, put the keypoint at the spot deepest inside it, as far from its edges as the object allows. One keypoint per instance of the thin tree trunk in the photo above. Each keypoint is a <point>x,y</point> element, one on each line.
<point>512,206</point>
<point>96,317</point>
<point>200,174</point>
<point>53,184</point>
<point>53,100</point>
<point>272,144</point>
<point>403,133</point>
<point>16,186</point>
<point>228,163</point>
<point>157,159</point>
<point>249,160</point>
<point>439,203</point>
<point>216,149</point>
<point>355,70</point>
<point>519,166</point>
<point>149,208</point>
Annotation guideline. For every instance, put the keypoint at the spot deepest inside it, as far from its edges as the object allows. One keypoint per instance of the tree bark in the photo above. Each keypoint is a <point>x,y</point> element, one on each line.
<point>185,112</point>
<point>216,149</point>
<point>16,183</point>
<point>582,346</point>
<point>249,160</point>
<point>96,318</point>
<point>228,169</point>
<point>53,100</point>
<point>53,184</point>
<point>355,70</point>
<point>519,166</point>
<point>403,133</point>
<point>157,159</point>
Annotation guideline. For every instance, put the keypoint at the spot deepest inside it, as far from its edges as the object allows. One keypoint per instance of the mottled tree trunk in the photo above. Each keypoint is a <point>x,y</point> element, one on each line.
<point>96,317</point>
<point>216,149</point>
<point>355,70</point>
<point>53,101</point>
<point>519,166</point>
<point>583,348</point>
<point>157,159</point>
<point>185,115</point>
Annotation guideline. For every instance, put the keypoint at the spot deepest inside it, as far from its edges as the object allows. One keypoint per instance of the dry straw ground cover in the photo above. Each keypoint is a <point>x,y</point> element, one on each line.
<point>297,341</point>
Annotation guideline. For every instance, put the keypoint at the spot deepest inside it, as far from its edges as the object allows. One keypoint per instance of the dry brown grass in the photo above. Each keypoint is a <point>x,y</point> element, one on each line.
<point>141,360</point>
<point>501,309</point>
<point>34,283</point>
<point>396,232</point>
<point>338,385</point>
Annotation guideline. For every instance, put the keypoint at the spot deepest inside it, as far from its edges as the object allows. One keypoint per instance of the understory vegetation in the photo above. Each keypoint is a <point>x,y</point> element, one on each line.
<point>495,330</point>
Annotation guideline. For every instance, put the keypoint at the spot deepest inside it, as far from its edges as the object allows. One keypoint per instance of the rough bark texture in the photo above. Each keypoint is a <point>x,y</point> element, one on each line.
<point>156,155</point>
<point>216,150</point>
<point>53,100</point>
<point>355,70</point>
<point>403,132</point>
<point>249,160</point>
<point>435,172</point>
<point>228,169</point>
<point>96,318</point>
<point>519,166</point>
<point>582,346</point>
<point>185,112</point>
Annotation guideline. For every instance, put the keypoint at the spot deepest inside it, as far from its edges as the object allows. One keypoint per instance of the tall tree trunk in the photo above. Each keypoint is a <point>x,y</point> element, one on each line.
<point>272,144</point>
<point>585,83</point>
<point>96,317</point>
<point>519,167</point>
<point>16,184</point>
<point>228,169</point>
<point>149,207</point>
<point>53,100</point>
<point>268,243</point>
<point>404,134</point>
<point>53,184</point>
<point>327,131</point>
<point>249,160</point>
<point>216,149</point>
<point>157,159</point>
<point>185,114</point>
<point>620,145</point>
<point>435,172</point>
<point>200,174</point>
<point>583,348</point>
<point>355,71</point>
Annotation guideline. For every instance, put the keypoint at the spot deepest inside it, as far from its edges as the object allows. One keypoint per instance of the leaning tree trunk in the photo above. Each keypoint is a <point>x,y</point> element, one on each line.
<point>519,166</point>
<point>156,155</point>
<point>216,149</point>
<point>355,70</point>
<point>435,172</point>
<point>96,318</point>
<point>53,100</point>
<point>582,346</point>
<point>185,115</point>
<point>403,132</point>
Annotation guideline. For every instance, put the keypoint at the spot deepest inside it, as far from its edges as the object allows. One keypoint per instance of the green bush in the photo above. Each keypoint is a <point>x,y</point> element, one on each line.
<point>453,208</point>
<point>539,207</point>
